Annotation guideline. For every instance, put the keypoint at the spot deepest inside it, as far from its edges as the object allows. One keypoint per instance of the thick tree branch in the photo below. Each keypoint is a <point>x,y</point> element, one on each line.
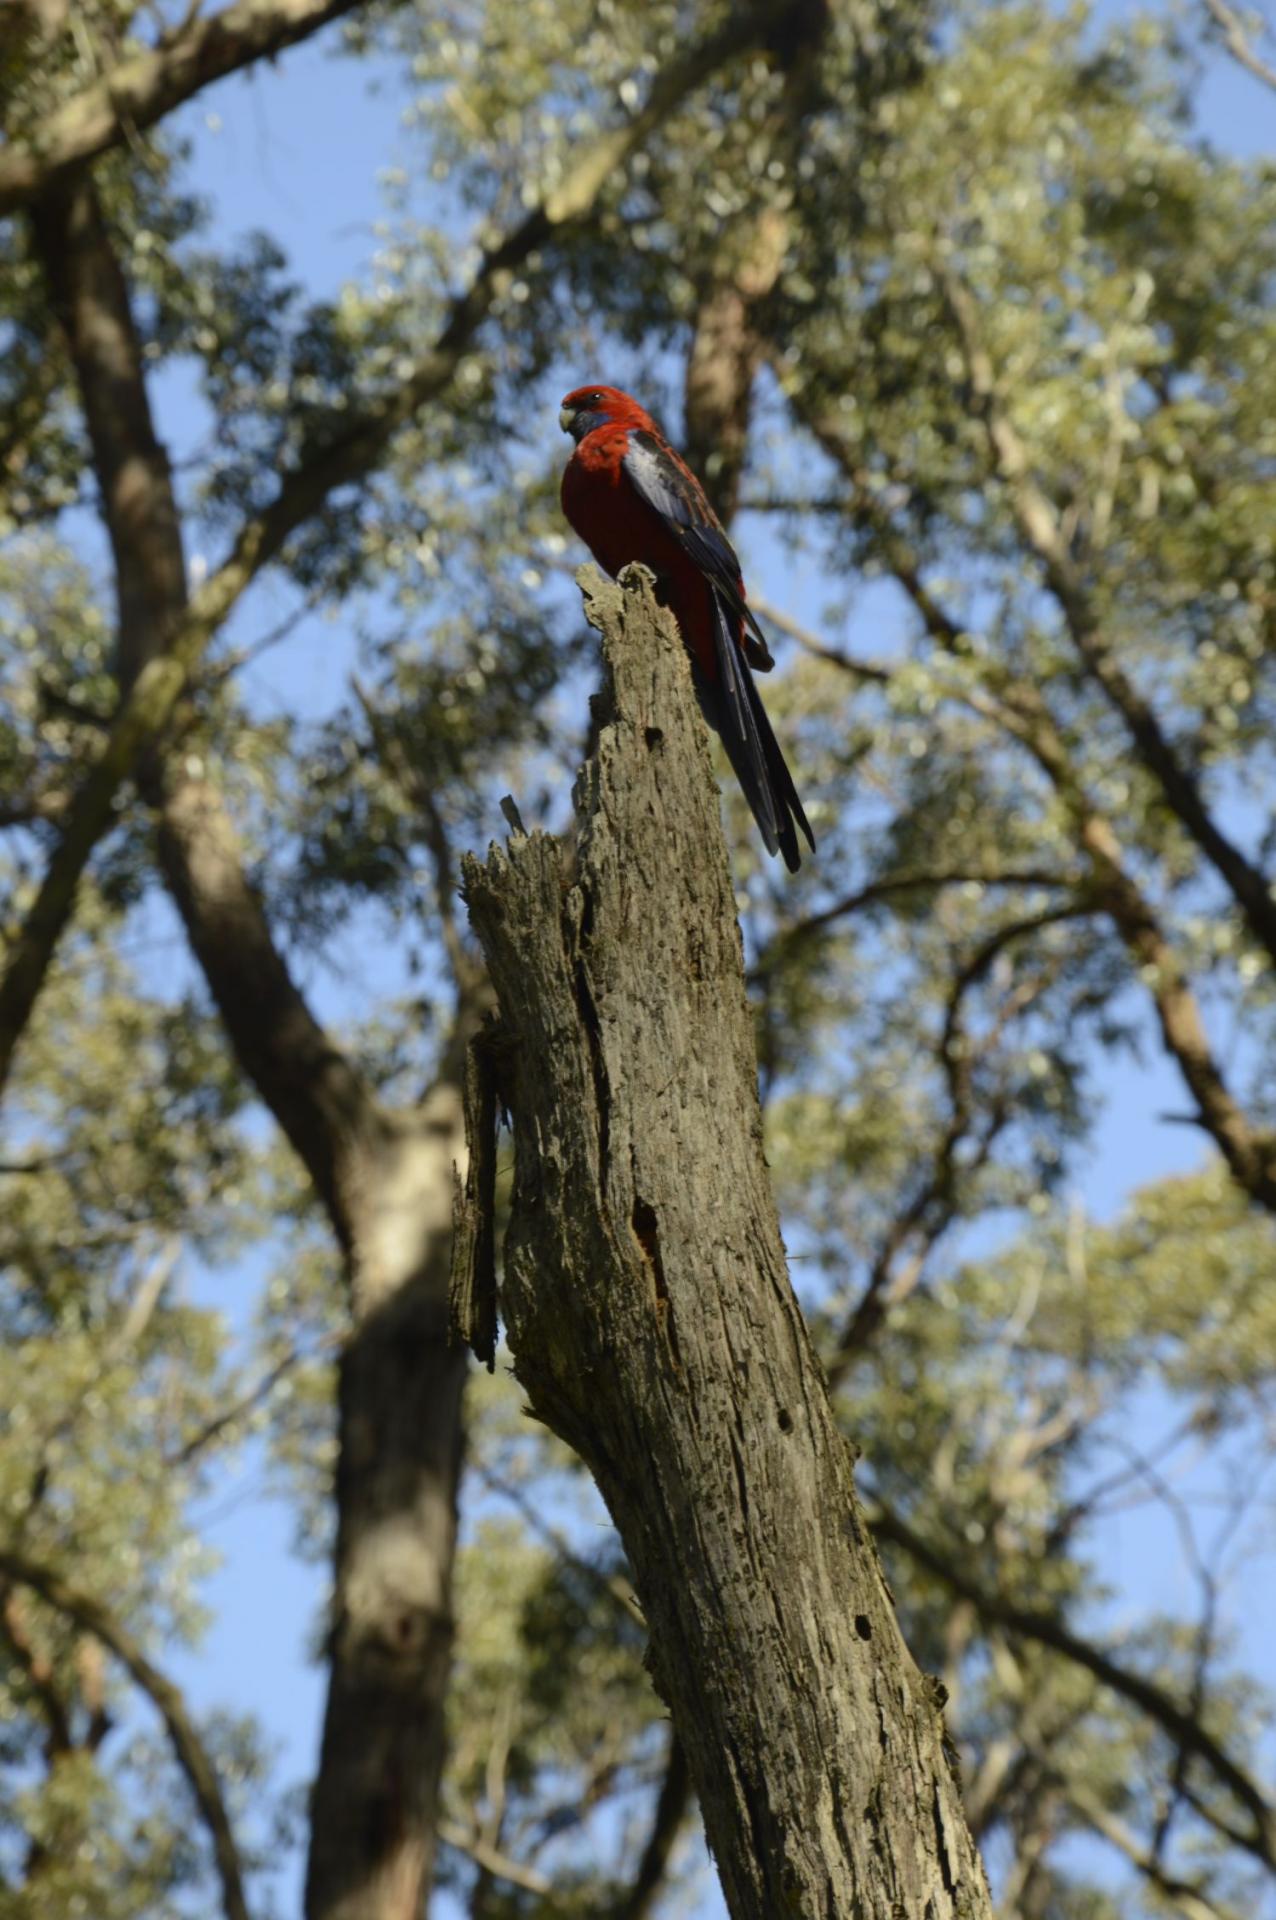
<point>90,301</point>
<point>315,1093</point>
<point>1249,1153</point>
<point>143,88</point>
<point>652,1324</point>
<point>725,349</point>
<point>1049,1631</point>
<point>191,1754</point>
<point>313,1088</point>
<point>37,1670</point>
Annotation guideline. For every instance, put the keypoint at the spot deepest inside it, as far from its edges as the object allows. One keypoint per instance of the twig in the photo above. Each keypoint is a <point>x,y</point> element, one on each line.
<point>1050,1631</point>
<point>491,1859</point>
<point>1238,43</point>
<point>618,1590</point>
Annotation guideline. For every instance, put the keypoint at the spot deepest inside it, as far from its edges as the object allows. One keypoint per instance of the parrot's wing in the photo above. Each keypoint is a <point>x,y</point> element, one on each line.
<point>671,490</point>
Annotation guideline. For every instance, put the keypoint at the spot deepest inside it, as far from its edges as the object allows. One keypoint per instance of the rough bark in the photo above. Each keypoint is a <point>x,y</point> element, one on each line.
<point>652,1324</point>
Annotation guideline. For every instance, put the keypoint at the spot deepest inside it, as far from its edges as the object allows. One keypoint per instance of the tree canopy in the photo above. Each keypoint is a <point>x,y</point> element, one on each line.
<point>966,319</point>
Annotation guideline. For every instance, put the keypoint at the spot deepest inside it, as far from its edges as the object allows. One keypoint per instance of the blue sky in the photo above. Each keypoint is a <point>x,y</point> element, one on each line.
<point>296,149</point>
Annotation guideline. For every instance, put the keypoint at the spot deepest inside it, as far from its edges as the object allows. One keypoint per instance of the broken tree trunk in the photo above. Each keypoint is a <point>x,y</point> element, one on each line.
<point>649,1312</point>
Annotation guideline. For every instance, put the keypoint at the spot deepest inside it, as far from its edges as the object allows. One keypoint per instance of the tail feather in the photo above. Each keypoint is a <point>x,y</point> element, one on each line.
<point>784,794</point>
<point>734,709</point>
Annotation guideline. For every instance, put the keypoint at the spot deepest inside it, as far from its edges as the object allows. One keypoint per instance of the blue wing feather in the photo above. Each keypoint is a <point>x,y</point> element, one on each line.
<point>665,488</point>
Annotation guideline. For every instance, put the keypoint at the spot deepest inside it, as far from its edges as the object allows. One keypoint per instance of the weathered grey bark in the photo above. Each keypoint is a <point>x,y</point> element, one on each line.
<point>652,1324</point>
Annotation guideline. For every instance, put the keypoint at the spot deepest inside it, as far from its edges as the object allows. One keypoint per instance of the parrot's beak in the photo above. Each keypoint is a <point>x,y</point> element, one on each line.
<point>565,418</point>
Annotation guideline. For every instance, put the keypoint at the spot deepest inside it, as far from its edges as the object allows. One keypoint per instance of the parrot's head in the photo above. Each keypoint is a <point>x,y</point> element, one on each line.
<point>590,407</point>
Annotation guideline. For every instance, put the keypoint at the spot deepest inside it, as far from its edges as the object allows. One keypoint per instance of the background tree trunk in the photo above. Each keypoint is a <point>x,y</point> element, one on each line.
<point>383,1177</point>
<point>653,1326</point>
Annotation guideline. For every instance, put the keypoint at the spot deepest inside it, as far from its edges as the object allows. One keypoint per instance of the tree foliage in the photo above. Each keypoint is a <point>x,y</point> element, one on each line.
<point>970,327</point>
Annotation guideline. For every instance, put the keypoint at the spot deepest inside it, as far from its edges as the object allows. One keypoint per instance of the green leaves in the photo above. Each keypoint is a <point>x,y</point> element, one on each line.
<point>943,998</point>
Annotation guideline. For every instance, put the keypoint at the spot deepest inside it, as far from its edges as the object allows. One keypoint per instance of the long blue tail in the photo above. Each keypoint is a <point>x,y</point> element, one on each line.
<point>734,710</point>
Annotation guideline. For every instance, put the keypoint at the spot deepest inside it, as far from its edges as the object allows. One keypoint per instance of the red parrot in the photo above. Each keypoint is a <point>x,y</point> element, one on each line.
<point>631,497</point>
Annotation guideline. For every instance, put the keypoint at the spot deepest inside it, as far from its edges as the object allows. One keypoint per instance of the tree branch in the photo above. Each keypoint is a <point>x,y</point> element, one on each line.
<point>139,91</point>
<point>1190,1898</point>
<point>671,1811</point>
<point>1040,528</point>
<point>150,703</point>
<point>1018,708</point>
<point>873,672</point>
<point>1238,42</point>
<point>1049,1631</point>
<point>886,887</point>
<point>37,1669</point>
<point>246,1405</point>
<point>383,1177</point>
<point>314,1091</point>
<point>191,1754</point>
<point>619,1591</point>
<point>935,1204</point>
<point>484,1854</point>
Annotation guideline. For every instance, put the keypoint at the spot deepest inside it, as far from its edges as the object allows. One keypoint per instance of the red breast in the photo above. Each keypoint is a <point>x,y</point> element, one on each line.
<point>618,527</point>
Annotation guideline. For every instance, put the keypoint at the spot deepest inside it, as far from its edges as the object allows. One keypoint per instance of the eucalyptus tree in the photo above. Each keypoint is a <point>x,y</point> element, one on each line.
<point>958,305</point>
